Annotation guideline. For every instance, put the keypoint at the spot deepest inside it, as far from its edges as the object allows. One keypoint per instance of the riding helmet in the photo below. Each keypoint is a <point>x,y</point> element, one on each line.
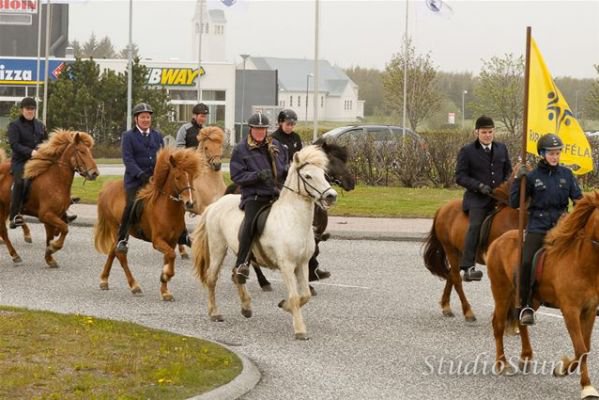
<point>549,142</point>
<point>258,120</point>
<point>287,115</point>
<point>142,107</point>
<point>201,108</point>
<point>484,122</point>
<point>28,102</point>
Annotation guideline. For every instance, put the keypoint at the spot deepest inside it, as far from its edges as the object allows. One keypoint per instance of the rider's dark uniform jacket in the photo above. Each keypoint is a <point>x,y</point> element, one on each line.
<point>24,136</point>
<point>475,166</point>
<point>291,142</point>
<point>549,189</point>
<point>187,136</point>
<point>139,155</point>
<point>247,160</point>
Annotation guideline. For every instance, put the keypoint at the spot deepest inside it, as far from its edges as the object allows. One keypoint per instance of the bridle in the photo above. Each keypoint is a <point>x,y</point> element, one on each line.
<point>176,193</point>
<point>307,185</point>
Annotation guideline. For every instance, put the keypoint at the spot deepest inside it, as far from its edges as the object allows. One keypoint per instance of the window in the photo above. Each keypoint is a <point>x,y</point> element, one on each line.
<point>299,101</point>
<point>290,101</point>
<point>178,94</point>
<point>217,95</point>
<point>321,101</point>
<point>207,28</point>
<point>282,103</point>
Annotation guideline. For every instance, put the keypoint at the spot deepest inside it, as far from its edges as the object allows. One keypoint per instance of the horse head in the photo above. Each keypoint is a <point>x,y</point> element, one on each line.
<point>309,164</point>
<point>211,146</point>
<point>338,171</point>
<point>80,156</point>
<point>183,167</point>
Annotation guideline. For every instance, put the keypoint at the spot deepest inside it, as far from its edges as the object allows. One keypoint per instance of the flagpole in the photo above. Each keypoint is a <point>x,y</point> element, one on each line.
<point>199,87</point>
<point>48,15</point>
<point>130,69</point>
<point>316,72</point>
<point>405,77</point>
<point>522,206</point>
<point>39,51</point>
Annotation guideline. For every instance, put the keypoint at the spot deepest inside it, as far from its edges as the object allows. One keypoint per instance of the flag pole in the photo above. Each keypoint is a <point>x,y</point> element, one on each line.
<point>522,206</point>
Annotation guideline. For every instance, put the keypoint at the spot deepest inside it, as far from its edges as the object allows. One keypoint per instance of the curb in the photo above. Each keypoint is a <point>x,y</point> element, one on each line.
<point>242,384</point>
<point>87,222</point>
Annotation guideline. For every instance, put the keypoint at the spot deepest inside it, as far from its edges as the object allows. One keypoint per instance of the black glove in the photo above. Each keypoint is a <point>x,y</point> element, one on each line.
<point>144,178</point>
<point>485,189</point>
<point>265,176</point>
<point>522,171</point>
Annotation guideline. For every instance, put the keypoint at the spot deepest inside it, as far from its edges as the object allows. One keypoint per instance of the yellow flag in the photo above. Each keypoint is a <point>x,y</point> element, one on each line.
<point>548,112</point>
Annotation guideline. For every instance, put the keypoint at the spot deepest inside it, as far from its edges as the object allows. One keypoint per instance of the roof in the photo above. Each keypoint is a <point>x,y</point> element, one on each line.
<point>293,74</point>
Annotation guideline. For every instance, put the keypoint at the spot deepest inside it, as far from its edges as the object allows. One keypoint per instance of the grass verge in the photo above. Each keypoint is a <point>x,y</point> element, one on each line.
<point>45,355</point>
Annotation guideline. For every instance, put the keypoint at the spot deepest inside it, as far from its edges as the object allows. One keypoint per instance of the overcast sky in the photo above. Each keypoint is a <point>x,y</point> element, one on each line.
<point>360,33</point>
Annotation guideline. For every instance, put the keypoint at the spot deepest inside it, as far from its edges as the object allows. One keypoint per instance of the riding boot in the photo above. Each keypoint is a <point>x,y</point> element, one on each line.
<point>532,242</point>
<point>16,202</point>
<point>242,264</point>
<point>122,239</point>
<point>314,272</point>
<point>476,217</point>
<point>185,238</point>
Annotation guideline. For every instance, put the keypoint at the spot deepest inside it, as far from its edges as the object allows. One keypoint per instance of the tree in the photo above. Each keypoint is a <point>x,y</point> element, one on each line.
<point>370,82</point>
<point>422,96</point>
<point>592,101</point>
<point>499,91</point>
<point>101,49</point>
<point>124,53</point>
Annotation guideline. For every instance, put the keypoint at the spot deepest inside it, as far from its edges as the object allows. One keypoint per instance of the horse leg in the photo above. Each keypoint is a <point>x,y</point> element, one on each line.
<point>262,281</point>
<point>446,297</point>
<point>454,261</point>
<point>168,269</point>
<point>48,255</point>
<point>292,304</point>
<point>302,275</point>
<point>26,233</point>
<point>11,249</point>
<point>526,353</point>
<point>106,271</point>
<point>54,223</point>
<point>500,315</point>
<point>217,256</point>
<point>183,252</point>
<point>133,285</point>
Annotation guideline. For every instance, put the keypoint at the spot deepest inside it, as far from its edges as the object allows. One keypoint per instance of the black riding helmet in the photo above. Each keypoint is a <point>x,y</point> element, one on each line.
<point>201,108</point>
<point>142,107</point>
<point>258,120</point>
<point>287,115</point>
<point>549,142</point>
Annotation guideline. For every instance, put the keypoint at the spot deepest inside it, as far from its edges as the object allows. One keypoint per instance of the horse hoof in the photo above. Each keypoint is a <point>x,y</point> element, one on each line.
<point>137,290</point>
<point>17,259</point>
<point>301,336</point>
<point>470,318</point>
<point>267,288</point>
<point>53,264</point>
<point>588,393</point>
<point>27,240</point>
<point>168,297</point>
<point>246,313</point>
<point>313,291</point>
<point>448,313</point>
<point>184,256</point>
<point>560,369</point>
<point>281,303</point>
<point>217,318</point>
<point>104,285</point>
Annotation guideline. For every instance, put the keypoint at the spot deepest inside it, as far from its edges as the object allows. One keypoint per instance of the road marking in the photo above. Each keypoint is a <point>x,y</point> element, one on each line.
<point>328,284</point>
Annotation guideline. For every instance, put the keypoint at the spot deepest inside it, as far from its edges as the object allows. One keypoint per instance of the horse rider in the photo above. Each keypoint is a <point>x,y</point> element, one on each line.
<point>549,187</point>
<point>258,166</point>
<point>25,134</point>
<point>139,146</point>
<point>187,135</point>
<point>481,166</point>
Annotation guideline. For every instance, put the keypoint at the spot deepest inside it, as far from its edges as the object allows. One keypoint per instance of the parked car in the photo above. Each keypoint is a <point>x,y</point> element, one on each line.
<point>380,134</point>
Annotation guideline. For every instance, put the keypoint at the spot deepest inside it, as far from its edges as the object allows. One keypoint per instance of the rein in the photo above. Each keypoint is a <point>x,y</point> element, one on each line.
<point>306,186</point>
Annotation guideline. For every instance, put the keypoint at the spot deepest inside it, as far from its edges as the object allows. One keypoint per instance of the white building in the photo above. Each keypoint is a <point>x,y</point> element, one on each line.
<point>214,39</point>
<point>337,93</point>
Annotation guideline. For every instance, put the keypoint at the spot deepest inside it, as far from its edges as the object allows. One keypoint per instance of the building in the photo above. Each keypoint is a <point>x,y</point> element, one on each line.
<point>214,39</point>
<point>337,93</point>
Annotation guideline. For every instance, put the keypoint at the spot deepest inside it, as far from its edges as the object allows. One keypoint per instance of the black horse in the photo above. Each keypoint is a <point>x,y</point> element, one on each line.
<point>338,173</point>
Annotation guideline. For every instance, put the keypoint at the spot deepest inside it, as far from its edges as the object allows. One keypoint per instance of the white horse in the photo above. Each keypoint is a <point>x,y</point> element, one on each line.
<point>286,243</point>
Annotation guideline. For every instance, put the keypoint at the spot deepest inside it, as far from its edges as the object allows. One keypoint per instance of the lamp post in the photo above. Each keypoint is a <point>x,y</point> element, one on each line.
<point>464,93</point>
<point>308,76</point>
<point>245,57</point>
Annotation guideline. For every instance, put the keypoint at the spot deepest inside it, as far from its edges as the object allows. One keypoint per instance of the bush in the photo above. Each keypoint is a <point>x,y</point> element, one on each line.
<point>102,150</point>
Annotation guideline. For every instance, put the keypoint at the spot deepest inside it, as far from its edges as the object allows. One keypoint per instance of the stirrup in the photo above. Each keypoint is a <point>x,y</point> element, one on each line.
<point>122,246</point>
<point>527,311</point>
<point>242,272</point>
<point>16,221</point>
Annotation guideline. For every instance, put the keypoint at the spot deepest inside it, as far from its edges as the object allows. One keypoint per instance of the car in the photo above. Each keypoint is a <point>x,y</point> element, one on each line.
<point>380,134</point>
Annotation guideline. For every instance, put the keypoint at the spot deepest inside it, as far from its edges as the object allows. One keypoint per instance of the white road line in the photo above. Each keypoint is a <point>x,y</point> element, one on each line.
<point>538,312</point>
<point>327,284</point>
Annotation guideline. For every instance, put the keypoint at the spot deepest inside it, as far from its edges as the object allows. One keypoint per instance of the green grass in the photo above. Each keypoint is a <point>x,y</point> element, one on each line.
<point>398,202</point>
<point>110,161</point>
<point>52,356</point>
<point>364,201</point>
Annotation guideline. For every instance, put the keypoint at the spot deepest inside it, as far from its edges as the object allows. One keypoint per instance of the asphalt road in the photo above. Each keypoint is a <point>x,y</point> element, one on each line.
<point>376,329</point>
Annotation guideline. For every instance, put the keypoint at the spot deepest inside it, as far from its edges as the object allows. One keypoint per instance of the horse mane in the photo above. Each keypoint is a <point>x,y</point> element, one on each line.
<point>502,192</point>
<point>333,149</point>
<point>211,133</point>
<point>50,151</point>
<point>313,155</point>
<point>185,159</point>
<point>569,228</point>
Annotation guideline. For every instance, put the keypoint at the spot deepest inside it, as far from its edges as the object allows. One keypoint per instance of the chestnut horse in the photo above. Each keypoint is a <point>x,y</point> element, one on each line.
<point>165,200</point>
<point>209,184</point>
<point>51,172</point>
<point>444,244</point>
<point>569,281</point>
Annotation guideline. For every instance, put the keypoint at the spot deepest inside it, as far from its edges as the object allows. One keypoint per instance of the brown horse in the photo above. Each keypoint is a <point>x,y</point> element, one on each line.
<point>165,200</point>
<point>51,172</point>
<point>445,243</point>
<point>569,281</point>
<point>209,184</point>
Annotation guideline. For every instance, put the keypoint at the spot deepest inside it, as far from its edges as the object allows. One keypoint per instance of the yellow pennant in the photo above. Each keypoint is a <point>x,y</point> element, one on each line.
<point>548,112</point>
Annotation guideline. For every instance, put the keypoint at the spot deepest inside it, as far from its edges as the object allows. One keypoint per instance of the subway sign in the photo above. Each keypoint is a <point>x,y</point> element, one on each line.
<point>18,6</point>
<point>15,71</point>
<point>174,76</point>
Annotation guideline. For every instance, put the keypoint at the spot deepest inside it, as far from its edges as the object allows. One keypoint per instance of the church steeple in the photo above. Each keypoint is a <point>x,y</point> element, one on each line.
<point>213,24</point>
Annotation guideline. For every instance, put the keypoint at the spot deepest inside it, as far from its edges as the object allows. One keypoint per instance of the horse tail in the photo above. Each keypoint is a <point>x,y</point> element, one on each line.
<point>200,249</point>
<point>104,234</point>
<point>435,258</point>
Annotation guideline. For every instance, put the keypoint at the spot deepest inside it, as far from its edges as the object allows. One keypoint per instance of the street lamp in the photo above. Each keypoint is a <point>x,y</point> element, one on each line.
<point>308,76</point>
<point>244,56</point>
<point>464,93</point>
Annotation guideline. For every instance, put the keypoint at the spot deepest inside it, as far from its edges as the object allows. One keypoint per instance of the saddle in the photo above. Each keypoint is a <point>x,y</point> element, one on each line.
<point>135,219</point>
<point>538,265</point>
<point>485,231</point>
<point>258,222</point>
